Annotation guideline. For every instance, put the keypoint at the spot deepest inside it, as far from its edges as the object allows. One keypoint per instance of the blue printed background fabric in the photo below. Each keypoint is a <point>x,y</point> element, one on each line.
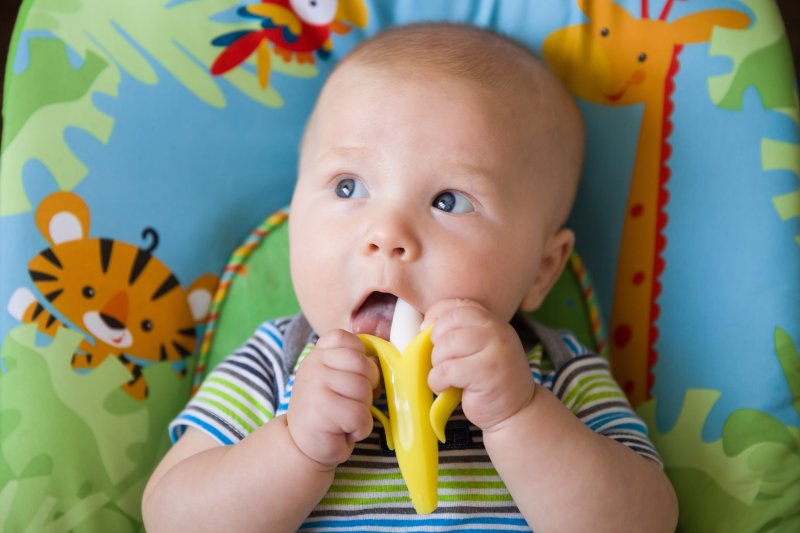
<point>142,142</point>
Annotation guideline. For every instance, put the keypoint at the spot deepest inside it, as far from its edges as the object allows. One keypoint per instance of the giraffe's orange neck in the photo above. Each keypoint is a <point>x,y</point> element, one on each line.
<point>613,52</point>
<point>641,262</point>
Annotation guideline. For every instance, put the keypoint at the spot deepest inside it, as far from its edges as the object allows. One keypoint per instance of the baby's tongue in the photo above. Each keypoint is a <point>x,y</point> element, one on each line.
<point>375,315</point>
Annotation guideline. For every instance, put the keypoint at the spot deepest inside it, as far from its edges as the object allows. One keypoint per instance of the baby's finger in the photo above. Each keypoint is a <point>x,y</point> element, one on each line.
<point>442,307</point>
<point>456,343</point>
<point>352,418</point>
<point>339,338</point>
<point>454,372</point>
<point>350,386</point>
<point>460,318</point>
<point>351,361</point>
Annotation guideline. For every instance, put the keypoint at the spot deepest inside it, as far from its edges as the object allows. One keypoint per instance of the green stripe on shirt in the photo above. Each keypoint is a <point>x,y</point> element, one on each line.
<point>228,411</point>
<point>241,392</point>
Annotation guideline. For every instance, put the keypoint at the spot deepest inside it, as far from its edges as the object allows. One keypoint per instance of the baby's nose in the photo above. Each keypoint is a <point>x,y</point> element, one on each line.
<point>393,238</point>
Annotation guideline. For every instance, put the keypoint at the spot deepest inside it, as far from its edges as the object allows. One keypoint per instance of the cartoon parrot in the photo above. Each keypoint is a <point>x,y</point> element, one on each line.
<point>299,27</point>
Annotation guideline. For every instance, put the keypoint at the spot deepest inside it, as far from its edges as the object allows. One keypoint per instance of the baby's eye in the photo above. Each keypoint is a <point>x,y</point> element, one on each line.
<point>453,202</point>
<point>350,188</point>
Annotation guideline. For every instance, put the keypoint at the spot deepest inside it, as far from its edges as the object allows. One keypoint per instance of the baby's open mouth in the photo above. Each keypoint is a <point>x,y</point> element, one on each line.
<point>374,316</point>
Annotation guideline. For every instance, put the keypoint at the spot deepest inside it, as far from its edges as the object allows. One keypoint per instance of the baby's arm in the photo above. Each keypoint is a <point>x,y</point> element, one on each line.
<point>263,483</point>
<point>565,477</point>
<point>562,475</point>
<point>272,479</point>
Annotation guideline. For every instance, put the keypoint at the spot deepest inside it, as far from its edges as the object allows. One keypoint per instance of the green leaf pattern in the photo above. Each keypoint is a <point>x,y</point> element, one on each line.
<point>74,445</point>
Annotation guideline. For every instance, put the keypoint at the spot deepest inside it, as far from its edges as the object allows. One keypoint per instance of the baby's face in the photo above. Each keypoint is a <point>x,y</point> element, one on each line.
<point>413,188</point>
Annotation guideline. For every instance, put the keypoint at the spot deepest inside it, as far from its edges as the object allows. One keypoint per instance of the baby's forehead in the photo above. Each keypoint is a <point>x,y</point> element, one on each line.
<point>522,94</point>
<point>514,77</point>
<point>443,111</point>
<point>515,109</point>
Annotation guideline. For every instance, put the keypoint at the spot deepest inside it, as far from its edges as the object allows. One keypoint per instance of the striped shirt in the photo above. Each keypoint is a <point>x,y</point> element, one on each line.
<point>254,384</point>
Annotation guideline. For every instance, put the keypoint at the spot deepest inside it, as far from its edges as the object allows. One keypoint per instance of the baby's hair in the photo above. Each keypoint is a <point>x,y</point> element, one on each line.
<point>463,51</point>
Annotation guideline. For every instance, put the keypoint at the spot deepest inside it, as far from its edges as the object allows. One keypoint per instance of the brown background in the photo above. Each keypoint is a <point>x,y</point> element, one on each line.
<point>9,8</point>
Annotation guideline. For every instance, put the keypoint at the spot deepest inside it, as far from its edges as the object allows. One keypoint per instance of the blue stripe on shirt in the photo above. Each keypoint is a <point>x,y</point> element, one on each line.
<point>430,522</point>
<point>576,348</point>
<point>271,334</point>
<point>224,439</point>
<point>631,425</point>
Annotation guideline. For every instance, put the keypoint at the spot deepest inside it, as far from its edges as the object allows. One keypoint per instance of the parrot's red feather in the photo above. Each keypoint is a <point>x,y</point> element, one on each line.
<point>237,52</point>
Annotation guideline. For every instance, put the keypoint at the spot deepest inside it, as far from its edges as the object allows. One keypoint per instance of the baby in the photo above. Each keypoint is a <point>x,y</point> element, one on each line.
<point>439,167</point>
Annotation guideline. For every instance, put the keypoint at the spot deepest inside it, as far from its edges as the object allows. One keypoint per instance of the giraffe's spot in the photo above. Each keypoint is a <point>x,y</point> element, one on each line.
<point>638,278</point>
<point>628,387</point>
<point>622,335</point>
<point>637,210</point>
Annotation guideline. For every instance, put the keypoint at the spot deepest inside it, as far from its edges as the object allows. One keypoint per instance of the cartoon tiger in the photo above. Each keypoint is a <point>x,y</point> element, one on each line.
<point>125,301</point>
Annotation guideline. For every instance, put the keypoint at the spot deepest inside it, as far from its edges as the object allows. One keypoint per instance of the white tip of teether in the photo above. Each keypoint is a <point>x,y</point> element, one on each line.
<point>405,325</point>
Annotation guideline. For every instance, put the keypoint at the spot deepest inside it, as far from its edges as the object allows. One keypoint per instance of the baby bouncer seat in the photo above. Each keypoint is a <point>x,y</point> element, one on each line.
<point>149,150</point>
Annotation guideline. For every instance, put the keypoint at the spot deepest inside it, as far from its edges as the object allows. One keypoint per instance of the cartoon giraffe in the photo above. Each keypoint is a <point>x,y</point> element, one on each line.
<point>617,59</point>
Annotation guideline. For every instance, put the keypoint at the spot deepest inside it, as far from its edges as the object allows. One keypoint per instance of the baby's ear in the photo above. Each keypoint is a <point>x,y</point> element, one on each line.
<point>555,256</point>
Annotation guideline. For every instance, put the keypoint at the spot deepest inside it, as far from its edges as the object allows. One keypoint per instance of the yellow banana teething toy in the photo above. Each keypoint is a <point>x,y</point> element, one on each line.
<point>415,419</point>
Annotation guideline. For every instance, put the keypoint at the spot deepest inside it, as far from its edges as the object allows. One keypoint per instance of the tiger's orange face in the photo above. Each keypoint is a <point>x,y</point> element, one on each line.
<point>121,295</point>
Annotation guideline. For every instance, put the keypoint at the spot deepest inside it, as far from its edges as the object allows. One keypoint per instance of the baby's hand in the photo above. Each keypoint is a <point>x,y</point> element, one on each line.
<point>332,393</point>
<point>478,352</point>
